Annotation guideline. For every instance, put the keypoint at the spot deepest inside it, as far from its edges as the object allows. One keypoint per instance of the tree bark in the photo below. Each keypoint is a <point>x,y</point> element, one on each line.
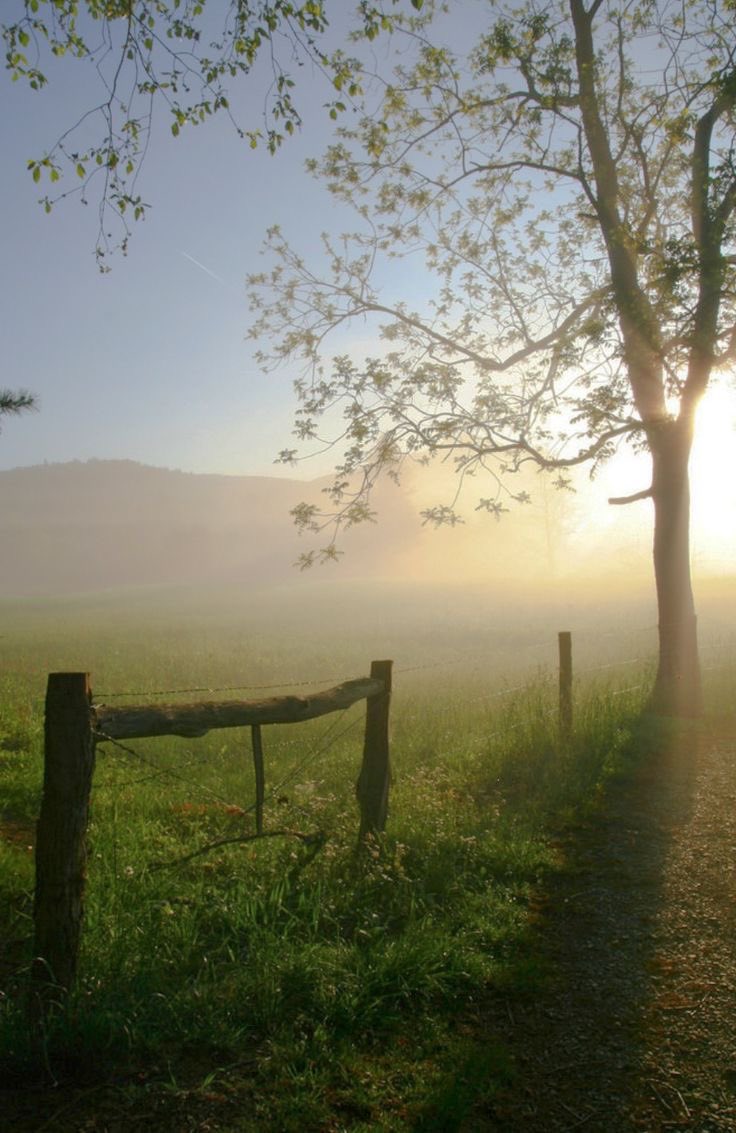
<point>677,688</point>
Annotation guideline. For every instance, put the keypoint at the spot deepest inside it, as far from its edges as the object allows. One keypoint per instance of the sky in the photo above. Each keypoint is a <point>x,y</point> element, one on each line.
<point>149,361</point>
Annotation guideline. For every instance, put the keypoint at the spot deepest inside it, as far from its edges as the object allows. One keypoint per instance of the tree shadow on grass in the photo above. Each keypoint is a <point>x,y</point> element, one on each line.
<point>573,1049</point>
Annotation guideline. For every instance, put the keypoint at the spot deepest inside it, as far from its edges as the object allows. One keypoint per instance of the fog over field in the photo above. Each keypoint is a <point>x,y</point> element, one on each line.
<point>109,558</point>
<point>100,525</point>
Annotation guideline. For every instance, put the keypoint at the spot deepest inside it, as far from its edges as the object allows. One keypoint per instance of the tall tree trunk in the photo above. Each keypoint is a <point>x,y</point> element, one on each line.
<point>677,688</point>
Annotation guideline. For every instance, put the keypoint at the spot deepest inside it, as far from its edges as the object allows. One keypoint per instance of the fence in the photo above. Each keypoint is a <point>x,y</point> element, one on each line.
<point>74,725</point>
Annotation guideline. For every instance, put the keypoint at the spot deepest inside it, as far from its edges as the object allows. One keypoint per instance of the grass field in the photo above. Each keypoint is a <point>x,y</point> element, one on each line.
<point>291,983</point>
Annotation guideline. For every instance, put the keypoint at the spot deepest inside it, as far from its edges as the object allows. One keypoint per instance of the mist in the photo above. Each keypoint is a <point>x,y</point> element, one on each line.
<point>102,557</point>
<point>99,525</point>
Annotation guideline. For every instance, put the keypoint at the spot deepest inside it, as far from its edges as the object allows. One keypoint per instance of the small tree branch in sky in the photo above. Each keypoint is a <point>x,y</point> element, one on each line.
<point>182,59</point>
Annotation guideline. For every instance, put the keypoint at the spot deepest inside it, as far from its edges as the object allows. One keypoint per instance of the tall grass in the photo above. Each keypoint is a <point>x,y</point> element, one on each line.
<point>321,980</point>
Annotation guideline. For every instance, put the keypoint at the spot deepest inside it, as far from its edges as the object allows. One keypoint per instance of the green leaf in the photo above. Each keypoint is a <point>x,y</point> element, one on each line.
<point>175,129</point>
<point>80,170</point>
<point>37,173</point>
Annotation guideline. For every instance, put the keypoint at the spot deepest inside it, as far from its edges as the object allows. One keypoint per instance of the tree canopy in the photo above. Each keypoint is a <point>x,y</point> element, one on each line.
<point>569,184</point>
<point>182,58</point>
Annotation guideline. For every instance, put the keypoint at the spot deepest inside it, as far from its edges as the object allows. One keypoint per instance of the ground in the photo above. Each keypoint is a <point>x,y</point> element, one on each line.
<point>636,1028</point>
<point>632,1030</point>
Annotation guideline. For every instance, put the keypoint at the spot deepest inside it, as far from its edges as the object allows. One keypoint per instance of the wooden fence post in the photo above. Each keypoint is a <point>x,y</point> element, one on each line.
<point>564,639</point>
<point>375,772</point>
<point>61,842</point>
<point>260,775</point>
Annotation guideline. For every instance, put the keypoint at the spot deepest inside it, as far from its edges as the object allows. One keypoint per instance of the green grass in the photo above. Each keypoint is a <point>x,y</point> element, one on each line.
<point>290,984</point>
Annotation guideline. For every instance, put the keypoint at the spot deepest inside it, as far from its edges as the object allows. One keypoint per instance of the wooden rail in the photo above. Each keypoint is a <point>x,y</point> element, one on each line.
<point>143,721</point>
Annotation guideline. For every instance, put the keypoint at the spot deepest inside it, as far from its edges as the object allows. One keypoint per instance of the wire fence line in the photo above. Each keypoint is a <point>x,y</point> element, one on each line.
<point>612,665</point>
<point>160,772</point>
<point>336,732</point>
<point>328,739</point>
<point>220,688</point>
<point>461,658</point>
<point>70,739</point>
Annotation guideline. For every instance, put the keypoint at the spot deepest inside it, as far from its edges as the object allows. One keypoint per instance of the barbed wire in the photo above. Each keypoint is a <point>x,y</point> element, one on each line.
<point>479,654</point>
<point>295,771</point>
<point>219,688</point>
<point>612,665</point>
<point>318,749</point>
<point>162,772</point>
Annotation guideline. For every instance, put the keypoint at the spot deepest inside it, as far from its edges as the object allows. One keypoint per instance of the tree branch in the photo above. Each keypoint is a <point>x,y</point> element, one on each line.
<point>645,495</point>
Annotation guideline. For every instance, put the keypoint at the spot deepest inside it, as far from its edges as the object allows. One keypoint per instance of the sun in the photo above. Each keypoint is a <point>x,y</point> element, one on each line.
<point>713,491</point>
<point>713,481</point>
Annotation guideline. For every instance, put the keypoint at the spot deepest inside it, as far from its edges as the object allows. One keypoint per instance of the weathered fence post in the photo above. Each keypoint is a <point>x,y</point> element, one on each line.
<point>61,836</point>
<point>260,774</point>
<point>564,639</point>
<point>375,772</point>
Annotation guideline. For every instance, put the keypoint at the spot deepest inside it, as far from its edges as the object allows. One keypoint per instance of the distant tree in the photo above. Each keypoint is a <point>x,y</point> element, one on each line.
<point>570,186</point>
<point>12,402</point>
<point>182,57</point>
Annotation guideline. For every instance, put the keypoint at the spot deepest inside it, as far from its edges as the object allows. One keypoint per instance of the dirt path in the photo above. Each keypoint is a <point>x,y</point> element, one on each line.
<point>638,1030</point>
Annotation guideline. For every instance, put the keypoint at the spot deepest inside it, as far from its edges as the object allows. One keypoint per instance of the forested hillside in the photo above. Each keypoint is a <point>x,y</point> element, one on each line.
<point>105,524</point>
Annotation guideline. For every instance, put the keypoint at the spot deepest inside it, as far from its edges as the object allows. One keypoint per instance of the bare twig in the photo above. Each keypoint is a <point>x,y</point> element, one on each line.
<point>316,840</point>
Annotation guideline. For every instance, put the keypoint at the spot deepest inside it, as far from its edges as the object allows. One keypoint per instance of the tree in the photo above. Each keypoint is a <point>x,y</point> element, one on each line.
<point>570,186</point>
<point>182,56</point>
<point>12,402</point>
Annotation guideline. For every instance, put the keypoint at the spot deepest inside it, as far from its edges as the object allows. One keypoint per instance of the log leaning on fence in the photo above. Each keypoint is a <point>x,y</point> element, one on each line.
<point>190,720</point>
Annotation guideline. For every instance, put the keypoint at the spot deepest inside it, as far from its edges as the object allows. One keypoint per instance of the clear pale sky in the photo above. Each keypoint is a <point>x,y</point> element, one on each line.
<point>149,362</point>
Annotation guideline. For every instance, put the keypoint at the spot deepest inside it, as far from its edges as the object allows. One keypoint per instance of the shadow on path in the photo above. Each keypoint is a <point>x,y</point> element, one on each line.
<point>635,1029</point>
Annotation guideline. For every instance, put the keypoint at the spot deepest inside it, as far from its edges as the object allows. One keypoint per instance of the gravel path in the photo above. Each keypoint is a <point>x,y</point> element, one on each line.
<point>638,1030</point>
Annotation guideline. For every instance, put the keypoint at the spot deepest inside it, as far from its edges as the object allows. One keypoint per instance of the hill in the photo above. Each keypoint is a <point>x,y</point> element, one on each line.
<point>105,524</point>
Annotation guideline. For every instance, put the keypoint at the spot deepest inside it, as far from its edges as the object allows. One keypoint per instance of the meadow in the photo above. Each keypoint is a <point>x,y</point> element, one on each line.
<point>293,982</point>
